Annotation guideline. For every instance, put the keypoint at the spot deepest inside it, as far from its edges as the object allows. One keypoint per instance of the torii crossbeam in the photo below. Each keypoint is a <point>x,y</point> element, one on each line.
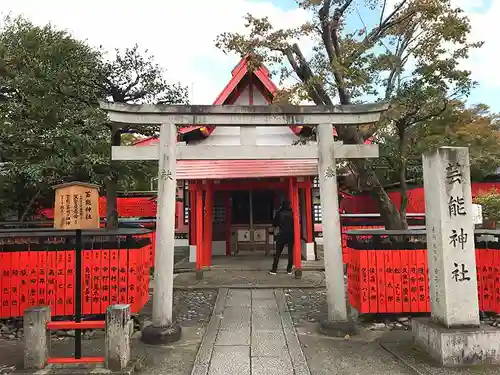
<point>246,117</point>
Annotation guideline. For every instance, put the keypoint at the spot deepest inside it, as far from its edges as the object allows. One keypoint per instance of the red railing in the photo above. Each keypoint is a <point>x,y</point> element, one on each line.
<point>396,281</point>
<point>38,270</point>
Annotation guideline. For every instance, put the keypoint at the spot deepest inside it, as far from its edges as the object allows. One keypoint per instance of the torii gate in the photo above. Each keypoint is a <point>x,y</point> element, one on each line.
<point>163,328</point>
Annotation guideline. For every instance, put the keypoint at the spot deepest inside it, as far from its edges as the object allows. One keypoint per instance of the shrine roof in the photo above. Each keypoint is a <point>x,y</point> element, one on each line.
<point>241,78</point>
<point>227,96</point>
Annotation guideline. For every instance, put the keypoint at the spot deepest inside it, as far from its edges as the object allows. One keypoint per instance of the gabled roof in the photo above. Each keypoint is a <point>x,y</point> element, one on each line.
<point>241,77</point>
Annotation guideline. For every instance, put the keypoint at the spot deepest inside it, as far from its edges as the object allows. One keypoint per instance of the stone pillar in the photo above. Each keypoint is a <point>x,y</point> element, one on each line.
<point>117,346</point>
<point>163,328</point>
<point>453,335</point>
<point>337,324</point>
<point>36,337</point>
<point>450,238</point>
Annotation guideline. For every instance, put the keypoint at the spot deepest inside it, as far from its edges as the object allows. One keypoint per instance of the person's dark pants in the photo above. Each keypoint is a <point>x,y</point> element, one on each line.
<point>280,245</point>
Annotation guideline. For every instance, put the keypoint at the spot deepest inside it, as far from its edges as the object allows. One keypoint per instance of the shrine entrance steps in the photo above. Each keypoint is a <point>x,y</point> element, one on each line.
<point>250,333</point>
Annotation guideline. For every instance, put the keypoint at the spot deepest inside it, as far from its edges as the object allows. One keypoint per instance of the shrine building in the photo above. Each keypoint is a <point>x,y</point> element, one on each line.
<point>229,205</point>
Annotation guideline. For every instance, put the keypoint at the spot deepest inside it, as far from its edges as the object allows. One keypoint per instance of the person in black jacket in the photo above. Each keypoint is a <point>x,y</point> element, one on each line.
<point>283,220</point>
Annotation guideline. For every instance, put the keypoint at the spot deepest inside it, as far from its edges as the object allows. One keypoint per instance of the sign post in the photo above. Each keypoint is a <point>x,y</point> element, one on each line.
<point>76,207</point>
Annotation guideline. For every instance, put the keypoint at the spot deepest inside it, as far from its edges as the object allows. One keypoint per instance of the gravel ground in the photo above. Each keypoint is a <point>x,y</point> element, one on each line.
<point>309,306</point>
<point>194,306</point>
<point>306,305</point>
<point>191,307</point>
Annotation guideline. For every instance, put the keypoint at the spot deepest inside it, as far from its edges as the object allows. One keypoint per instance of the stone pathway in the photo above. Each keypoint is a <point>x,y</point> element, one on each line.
<point>250,332</point>
<point>236,279</point>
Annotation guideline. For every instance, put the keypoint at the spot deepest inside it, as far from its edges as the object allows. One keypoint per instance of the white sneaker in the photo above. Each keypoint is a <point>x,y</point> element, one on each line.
<point>290,273</point>
<point>272,273</point>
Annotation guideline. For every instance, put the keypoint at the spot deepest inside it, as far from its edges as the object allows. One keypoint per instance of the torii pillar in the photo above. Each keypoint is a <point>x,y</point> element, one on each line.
<point>164,329</point>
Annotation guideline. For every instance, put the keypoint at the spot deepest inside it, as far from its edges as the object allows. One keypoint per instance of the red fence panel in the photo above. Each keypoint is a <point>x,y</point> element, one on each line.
<point>397,281</point>
<point>43,273</point>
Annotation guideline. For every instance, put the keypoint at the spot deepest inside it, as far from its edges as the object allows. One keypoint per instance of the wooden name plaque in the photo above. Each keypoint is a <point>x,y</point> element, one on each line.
<point>76,206</point>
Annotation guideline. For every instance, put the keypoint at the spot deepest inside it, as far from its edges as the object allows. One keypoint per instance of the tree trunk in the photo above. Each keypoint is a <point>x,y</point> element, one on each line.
<point>388,211</point>
<point>403,186</point>
<point>348,134</point>
<point>112,186</point>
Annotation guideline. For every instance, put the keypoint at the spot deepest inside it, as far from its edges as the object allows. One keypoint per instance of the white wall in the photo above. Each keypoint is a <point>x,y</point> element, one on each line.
<point>266,135</point>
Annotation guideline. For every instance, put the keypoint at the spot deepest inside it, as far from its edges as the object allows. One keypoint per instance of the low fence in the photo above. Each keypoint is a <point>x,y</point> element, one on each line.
<point>39,268</point>
<point>392,276</point>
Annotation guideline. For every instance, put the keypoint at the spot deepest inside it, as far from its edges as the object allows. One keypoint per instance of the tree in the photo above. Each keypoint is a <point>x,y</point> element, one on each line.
<point>490,202</point>
<point>133,78</point>
<point>460,126</point>
<point>409,56</point>
<point>473,127</point>
<point>48,126</point>
<point>50,121</point>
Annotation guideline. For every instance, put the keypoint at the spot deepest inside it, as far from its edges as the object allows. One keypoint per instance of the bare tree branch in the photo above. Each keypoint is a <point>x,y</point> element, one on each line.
<point>377,32</point>
<point>304,71</point>
<point>330,37</point>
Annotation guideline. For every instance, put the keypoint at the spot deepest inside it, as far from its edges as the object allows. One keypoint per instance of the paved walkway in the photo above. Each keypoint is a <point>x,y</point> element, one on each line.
<point>239,279</point>
<point>250,332</point>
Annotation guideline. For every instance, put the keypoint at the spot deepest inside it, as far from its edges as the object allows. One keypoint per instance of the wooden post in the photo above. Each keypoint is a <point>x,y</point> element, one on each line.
<point>208,224</point>
<point>334,275</point>
<point>163,328</point>
<point>308,208</point>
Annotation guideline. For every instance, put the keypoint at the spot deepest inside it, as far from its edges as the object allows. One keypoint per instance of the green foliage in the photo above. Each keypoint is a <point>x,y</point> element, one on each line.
<point>459,126</point>
<point>410,57</point>
<point>133,78</point>
<point>52,129</point>
<point>490,202</point>
<point>49,124</point>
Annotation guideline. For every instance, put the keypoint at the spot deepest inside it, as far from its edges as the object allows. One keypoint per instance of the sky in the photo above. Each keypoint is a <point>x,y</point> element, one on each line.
<point>181,34</point>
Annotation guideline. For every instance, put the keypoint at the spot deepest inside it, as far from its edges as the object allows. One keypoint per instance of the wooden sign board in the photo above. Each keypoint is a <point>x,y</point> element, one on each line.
<point>76,206</point>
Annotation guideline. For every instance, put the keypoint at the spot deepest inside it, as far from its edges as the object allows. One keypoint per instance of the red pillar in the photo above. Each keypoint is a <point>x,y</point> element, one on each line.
<point>308,208</point>
<point>294,201</point>
<point>199,226</point>
<point>207,240</point>
<point>227,199</point>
